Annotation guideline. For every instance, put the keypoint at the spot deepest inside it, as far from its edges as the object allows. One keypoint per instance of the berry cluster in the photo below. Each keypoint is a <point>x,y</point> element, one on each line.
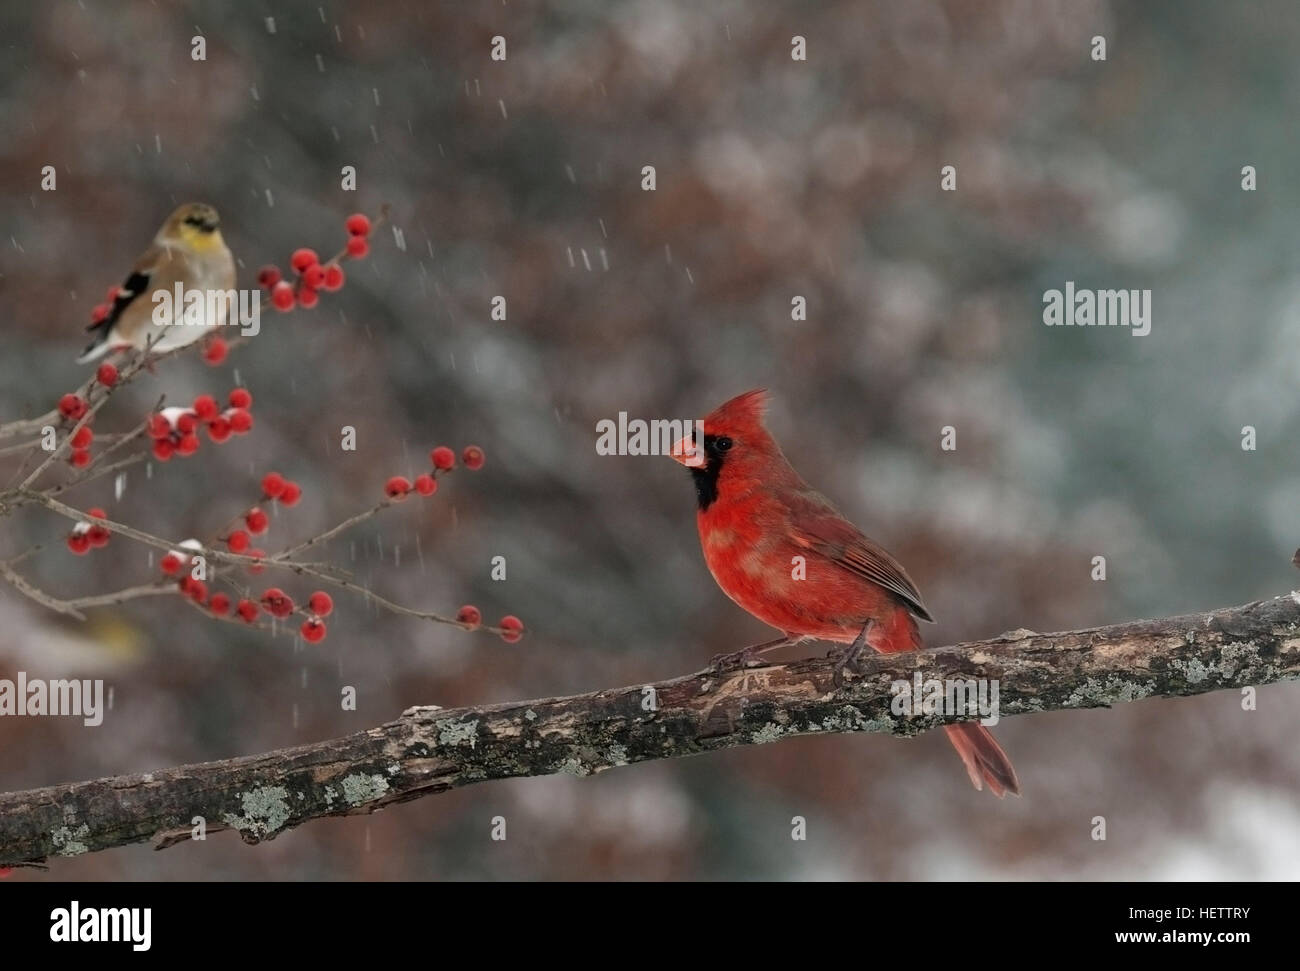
<point>310,274</point>
<point>186,558</point>
<point>444,460</point>
<point>175,431</point>
<point>238,539</point>
<point>73,407</point>
<point>86,536</point>
<point>512,628</point>
<point>255,520</point>
<point>280,605</point>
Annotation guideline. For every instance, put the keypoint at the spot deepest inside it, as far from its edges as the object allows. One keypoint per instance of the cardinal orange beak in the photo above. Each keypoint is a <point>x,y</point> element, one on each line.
<point>687,454</point>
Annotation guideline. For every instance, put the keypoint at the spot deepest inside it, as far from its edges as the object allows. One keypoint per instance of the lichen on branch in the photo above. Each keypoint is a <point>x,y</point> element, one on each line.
<point>431,750</point>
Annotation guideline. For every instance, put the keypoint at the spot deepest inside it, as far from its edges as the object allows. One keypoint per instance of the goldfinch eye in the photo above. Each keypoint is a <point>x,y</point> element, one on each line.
<point>723,444</point>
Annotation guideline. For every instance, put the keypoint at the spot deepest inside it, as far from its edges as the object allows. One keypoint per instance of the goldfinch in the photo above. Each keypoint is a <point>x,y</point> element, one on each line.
<point>187,251</point>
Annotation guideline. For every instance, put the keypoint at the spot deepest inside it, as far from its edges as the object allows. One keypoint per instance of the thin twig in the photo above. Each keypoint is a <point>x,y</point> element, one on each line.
<point>331,533</point>
<point>20,584</point>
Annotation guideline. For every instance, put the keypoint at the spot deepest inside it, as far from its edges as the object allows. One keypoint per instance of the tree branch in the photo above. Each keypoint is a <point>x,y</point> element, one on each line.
<point>430,750</point>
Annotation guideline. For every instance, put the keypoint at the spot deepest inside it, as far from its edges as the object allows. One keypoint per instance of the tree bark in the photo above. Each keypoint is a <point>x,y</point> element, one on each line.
<point>430,750</point>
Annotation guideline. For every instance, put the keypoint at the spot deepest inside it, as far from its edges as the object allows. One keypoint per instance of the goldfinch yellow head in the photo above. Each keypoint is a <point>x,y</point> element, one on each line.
<point>195,225</point>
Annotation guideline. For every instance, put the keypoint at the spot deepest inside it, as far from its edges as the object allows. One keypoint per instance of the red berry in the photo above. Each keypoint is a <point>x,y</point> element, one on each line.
<point>256,568</point>
<point>358,247</point>
<point>163,449</point>
<point>397,487</point>
<point>237,541</point>
<point>273,484</point>
<point>159,427</point>
<point>256,521</point>
<point>312,630</point>
<point>268,276</point>
<point>443,458</point>
<point>100,312</point>
<point>333,277</point>
<point>282,295</point>
<point>276,602</point>
<point>219,604</point>
<point>205,407</point>
<point>473,457</point>
<point>98,536</point>
<point>106,375</point>
<point>215,350</point>
<point>358,225</point>
<point>83,437</point>
<point>79,458</point>
<point>303,258</point>
<point>240,398</point>
<point>188,444</point>
<point>425,484</point>
<point>171,564</point>
<point>247,611</point>
<point>241,420</point>
<point>308,298</point>
<point>291,494</point>
<point>469,614</point>
<point>512,628</point>
<point>186,423</point>
<point>79,543</point>
<point>313,276</point>
<point>96,513</point>
<point>196,589</point>
<point>219,429</point>
<point>72,406</point>
<point>320,603</point>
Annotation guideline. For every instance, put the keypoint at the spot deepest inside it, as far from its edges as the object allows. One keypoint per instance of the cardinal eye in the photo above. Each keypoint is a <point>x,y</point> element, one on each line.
<point>723,444</point>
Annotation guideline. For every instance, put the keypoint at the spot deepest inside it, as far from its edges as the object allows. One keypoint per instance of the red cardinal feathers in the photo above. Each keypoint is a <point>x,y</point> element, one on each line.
<point>756,515</point>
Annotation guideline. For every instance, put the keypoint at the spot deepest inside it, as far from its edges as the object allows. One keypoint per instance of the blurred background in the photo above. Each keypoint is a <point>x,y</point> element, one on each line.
<point>775,179</point>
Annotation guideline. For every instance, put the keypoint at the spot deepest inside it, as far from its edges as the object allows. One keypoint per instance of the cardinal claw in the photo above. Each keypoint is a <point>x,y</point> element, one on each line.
<point>721,663</point>
<point>837,673</point>
<point>851,658</point>
<point>845,663</point>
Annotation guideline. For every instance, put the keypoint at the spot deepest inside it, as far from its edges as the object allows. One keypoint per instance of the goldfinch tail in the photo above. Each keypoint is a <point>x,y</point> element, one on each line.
<point>97,349</point>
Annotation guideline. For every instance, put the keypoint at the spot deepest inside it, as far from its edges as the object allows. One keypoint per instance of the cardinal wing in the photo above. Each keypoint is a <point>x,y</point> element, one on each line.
<point>816,524</point>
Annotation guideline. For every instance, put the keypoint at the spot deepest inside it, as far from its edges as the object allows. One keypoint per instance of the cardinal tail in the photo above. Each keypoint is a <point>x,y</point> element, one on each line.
<point>980,753</point>
<point>984,759</point>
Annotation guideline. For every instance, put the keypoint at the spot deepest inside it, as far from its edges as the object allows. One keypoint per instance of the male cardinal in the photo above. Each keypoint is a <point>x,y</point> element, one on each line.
<point>756,515</point>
